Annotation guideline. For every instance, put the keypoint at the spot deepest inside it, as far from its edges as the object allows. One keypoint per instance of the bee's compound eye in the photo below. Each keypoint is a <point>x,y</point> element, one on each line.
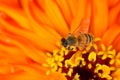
<point>64,42</point>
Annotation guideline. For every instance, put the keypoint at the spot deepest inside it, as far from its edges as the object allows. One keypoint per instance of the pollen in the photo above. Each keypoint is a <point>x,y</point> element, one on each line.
<point>95,62</point>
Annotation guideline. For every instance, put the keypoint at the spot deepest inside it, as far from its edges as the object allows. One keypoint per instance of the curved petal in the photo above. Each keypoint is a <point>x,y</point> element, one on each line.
<point>116,42</point>
<point>112,3</point>
<point>65,10</point>
<point>17,17</point>
<point>11,55</point>
<point>72,6</point>
<point>55,16</point>
<point>38,14</point>
<point>15,51</point>
<point>32,37</point>
<point>24,72</point>
<point>80,13</point>
<point>110,35</point>
<point>116,75</point>
<point>113,14</point>
<point>11,3</point>
<point>99,17</point>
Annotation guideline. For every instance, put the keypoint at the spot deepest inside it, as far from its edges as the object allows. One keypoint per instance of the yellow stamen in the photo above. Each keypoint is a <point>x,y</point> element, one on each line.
<point>89,66</point>
<point>92,57</point>
<point>70,72</point>
<point>76,77</point>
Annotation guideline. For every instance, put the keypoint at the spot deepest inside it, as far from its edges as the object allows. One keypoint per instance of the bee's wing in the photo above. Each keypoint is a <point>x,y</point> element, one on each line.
<point>83,27</point>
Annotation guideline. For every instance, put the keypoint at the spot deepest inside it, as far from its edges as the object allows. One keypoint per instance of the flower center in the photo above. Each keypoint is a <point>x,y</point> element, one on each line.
<point>92,63</point>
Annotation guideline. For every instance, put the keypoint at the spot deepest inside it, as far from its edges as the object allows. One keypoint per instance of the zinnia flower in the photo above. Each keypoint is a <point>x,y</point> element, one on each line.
<point>31,31</point>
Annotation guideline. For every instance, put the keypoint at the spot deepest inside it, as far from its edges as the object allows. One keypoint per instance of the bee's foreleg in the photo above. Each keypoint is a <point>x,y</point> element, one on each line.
<point>82,47</point>
<point>70,48</point>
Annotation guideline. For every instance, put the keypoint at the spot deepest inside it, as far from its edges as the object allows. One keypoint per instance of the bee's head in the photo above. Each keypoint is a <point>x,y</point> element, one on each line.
<point>64,42</point>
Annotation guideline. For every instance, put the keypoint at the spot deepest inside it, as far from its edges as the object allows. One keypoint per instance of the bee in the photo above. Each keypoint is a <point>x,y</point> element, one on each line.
<point>77,38</point>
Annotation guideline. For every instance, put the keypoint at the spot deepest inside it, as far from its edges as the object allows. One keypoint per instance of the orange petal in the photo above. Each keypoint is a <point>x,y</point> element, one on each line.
<point>28,52</point>
<point>88,10</point>
<point>87,16</point>
<point>116,42</point>
<point>80,13</point>
<point>55,16</point>
<point>6,69</point>
<point>11,55</point>
<point>39,15</point>
<point>113,14</point>
<point>110,35</point>
<point>26,72</point>
<point>99,17</point>
<point>25,24</point>
<point>42,19</point>
<point>41,4</point>
<point>72,6</point>
<point>118,20</point>
<point>11,3</point>
<point>116,75</point>
<point>35,26</point>
<point>38,40</point>
<point>112,3</point>
<point>85,22</point>
<point>16,17</point>
<point>35,55</point>
<point>65,10</point>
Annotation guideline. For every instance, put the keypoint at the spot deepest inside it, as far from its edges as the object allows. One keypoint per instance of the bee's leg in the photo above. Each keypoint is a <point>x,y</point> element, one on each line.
<point>82,47</point>
<point>70,48</point>
<point>86,48</point>
<point>80,33</point>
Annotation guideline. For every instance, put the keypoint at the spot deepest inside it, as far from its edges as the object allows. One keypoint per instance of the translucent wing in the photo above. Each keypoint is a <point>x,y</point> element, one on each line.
<point>83,27</point>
